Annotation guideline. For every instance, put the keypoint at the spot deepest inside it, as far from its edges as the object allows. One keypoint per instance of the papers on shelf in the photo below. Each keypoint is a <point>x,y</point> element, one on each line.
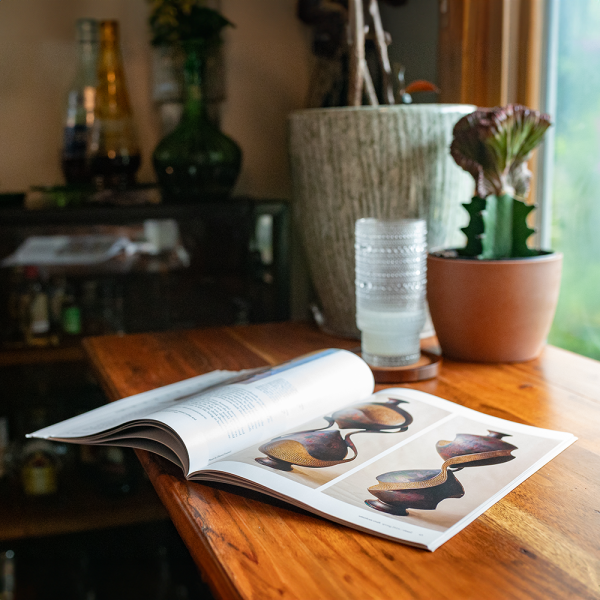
<point>68,250</point>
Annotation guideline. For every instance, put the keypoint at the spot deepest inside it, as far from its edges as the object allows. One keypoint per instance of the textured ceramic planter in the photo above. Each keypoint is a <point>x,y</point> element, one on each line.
<point>493,310</point>
<point>384,162</point>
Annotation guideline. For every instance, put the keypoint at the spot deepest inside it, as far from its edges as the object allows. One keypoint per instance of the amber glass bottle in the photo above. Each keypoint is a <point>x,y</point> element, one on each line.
<point>115,154</point>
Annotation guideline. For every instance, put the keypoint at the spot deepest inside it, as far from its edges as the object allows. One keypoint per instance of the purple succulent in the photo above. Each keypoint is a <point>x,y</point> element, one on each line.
<point>494,146</point>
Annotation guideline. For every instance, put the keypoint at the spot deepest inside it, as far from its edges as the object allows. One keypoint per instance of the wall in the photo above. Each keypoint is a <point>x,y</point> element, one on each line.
<point>268,67</point>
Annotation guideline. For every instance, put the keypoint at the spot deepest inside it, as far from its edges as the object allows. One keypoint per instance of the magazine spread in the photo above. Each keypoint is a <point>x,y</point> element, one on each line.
<point>400,463</point>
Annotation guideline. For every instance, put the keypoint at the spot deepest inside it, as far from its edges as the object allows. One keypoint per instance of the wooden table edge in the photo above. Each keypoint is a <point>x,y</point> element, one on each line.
<point>209,566</point>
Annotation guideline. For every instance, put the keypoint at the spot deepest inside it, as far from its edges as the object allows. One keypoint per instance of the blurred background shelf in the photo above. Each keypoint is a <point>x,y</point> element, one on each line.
<point>80,507</point>
<point>109,214</point>
<point>36,356</point>
<point>238,252</point>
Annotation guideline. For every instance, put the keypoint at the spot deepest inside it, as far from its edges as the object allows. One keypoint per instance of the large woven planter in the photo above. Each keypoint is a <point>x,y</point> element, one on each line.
<point>384,162</point>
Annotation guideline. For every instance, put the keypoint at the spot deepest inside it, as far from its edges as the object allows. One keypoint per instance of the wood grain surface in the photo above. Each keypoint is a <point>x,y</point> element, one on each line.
<point>540,541</point>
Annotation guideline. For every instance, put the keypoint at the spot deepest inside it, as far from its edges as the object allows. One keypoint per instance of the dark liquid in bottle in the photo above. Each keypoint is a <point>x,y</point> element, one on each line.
<point>118,172</point>
<point>76,170</point>
<point>75,165</point>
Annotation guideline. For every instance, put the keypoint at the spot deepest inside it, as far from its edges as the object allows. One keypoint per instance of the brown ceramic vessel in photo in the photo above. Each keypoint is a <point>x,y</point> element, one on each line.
<point>493,310</point>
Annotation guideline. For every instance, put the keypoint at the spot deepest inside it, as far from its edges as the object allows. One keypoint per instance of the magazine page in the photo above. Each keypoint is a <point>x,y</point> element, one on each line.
<point>225,420</point>
<point>403,464</point>
<point>201,420</point>
<point>116,414</point>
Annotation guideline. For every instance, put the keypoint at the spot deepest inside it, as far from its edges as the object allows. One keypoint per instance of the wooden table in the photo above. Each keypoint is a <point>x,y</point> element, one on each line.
<point>541,541</point>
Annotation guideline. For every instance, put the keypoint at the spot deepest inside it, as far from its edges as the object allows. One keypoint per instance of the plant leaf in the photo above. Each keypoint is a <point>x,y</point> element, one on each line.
<point>179,21</point>
<point>474,230</point>
<point>494,146</point>
<point>521,231</point>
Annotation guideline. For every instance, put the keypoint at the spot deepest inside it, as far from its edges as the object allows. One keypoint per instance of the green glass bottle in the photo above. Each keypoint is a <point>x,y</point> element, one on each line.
<point>196,162</point>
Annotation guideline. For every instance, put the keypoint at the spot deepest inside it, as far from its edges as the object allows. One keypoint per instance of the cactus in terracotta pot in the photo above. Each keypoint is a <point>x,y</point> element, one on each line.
<point>494,145</point>
<point>494,299</point>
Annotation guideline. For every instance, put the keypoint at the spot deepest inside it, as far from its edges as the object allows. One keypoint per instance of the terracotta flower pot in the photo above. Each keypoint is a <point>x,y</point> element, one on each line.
<point>493,310</point>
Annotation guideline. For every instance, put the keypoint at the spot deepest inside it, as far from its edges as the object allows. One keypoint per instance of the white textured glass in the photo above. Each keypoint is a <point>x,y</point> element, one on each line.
<point>391,279</point>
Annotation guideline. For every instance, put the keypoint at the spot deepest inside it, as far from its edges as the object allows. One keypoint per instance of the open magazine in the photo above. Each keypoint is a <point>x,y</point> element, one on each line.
<point>401,464</point>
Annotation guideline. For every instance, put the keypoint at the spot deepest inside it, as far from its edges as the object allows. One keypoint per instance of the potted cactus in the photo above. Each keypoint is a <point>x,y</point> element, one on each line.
<point>494,299</point>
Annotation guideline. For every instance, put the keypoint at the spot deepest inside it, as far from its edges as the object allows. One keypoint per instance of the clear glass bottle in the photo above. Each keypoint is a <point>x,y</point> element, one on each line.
<point>70,313</point>
<point>7,575</point>
<point>196,161</point>
<point>81,102</point>
<point>36,309</point>
<point>39,459</point>
<point>115,152</point>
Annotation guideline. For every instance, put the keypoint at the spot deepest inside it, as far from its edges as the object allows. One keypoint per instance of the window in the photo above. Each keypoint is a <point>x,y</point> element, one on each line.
<point>575,171</point>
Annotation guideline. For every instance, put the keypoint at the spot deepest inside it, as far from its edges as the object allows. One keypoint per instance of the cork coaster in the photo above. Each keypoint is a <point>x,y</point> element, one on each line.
<point>427,367</point>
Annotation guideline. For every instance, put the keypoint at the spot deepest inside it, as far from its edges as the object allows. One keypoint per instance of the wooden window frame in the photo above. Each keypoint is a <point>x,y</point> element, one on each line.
<point>496,52</point>
<point>490,51</point>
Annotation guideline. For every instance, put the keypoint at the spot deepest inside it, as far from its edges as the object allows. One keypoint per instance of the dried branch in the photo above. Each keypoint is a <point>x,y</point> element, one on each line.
<point>356,26</point>
<point>369,87</point>
<point>382,52</point>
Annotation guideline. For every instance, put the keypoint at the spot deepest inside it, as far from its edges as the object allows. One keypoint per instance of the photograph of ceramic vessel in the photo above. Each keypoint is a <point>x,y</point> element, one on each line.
<point>398,491</point>
<point>466,444</point>
<point>315,449</point>
<point>325,447</point>
<point>394,500</point>
<point>374,416</point>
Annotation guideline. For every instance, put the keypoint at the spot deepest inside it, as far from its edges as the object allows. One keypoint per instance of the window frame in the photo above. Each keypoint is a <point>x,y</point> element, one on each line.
<point>496,52</point>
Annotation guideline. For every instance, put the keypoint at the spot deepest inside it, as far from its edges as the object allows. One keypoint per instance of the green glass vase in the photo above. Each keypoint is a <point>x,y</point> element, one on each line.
<point>196,162</point>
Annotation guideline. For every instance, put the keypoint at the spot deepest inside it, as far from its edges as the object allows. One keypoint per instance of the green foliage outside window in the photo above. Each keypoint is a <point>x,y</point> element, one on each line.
<point>576,186</point>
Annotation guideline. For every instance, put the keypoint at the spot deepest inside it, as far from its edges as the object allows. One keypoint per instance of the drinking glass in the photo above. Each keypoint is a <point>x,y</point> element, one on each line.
<point>391,277</point>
